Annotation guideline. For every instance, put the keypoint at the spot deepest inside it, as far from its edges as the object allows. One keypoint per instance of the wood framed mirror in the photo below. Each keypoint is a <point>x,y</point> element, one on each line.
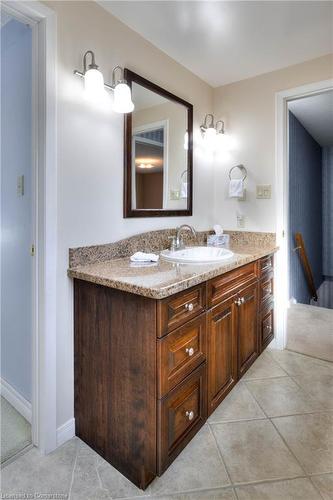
<point>158,152</point>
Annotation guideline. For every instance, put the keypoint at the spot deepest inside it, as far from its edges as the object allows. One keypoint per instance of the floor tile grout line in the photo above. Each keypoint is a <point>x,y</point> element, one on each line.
<point>279,364</point>
<point>269,481</point>
<point>318,361</point>
<point>240,420</point>
<point>232,487</point>
<point>73,471</point>
<point>307,392</point>
<point>288,447</point>
<point>171,494</point>
<point>256,400</point>
<point>220,454</point>
<point>320,410</point>
<point>316,488</point>
<point>100,481</point>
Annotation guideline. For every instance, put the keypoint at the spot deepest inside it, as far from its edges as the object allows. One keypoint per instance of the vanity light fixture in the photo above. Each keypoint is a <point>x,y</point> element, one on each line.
<point>208,130</point>
<point>145,165</point>
<point>122,93</point>
<point>94,84</point>
<point>214,134</point>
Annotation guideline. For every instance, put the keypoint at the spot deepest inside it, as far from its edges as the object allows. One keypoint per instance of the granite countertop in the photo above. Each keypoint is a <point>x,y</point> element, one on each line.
<point>162,279</point>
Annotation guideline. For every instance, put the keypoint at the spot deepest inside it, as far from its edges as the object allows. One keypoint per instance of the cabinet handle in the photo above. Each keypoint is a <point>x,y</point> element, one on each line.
<point>238,302</point>
<point>190,351</point>
<point>189,307</point>
<point>242,300</point>
<point>190,415</point>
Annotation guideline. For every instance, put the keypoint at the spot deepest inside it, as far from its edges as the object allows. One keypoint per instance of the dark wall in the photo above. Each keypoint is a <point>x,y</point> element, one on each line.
<point>328,211</point>
<point>305,206</point>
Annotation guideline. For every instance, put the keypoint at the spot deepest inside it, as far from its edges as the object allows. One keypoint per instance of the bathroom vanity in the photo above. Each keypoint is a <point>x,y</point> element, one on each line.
<point>153,360</point>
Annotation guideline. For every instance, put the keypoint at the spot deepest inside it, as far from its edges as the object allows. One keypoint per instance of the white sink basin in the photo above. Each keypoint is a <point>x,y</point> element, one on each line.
<point>197,255</point>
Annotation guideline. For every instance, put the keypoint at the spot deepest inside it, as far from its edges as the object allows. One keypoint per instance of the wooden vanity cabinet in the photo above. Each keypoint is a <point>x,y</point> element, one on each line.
<point>247,327</point>
<point>222,351</point>
<point>148,372</point>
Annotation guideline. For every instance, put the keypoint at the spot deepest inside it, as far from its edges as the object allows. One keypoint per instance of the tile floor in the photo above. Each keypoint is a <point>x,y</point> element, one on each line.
<point>15,431</point>
<point>302,321</point>
<point>270,439</point>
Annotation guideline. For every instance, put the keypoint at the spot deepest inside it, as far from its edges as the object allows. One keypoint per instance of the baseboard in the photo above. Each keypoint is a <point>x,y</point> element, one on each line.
<point>16,399</point>
<point>66,431</point>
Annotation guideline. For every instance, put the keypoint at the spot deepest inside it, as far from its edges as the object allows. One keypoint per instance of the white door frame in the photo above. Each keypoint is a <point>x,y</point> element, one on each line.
<point>282,200</point>
<point>43,22</point>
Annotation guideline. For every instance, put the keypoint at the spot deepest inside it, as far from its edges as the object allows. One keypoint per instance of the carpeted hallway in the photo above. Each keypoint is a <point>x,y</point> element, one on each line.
<point>15,431</point>
<point>310,331</point>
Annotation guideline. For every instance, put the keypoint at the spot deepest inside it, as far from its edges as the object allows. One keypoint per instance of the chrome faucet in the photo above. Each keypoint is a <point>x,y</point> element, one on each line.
<point>178,242</point>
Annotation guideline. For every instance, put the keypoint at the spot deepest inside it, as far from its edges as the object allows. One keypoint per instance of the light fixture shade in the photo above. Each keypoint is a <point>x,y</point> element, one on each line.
<point>186,140</point>
<point>224,141</point>
<point>210,137</point>
<point>93,83</point>
<point>122,98</point>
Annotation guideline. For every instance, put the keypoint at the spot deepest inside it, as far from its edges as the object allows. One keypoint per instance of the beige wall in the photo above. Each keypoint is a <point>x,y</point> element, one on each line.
<point>90,149</point>
<point>90,153</point>
<point>248,108</point>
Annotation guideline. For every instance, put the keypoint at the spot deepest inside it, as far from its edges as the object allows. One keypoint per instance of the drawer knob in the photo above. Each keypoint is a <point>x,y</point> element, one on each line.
<point>189,307</point>
<point>190,351</point>
<point>190,415</point>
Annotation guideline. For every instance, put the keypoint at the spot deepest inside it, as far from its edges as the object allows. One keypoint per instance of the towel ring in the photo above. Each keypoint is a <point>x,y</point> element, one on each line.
<point>241,168</point>
<point>183,173</point>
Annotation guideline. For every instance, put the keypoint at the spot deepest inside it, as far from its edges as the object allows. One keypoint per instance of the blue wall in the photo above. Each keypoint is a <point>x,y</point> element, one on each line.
<point>305,206</point>
<point>16,211</point>
<point>328,211</point>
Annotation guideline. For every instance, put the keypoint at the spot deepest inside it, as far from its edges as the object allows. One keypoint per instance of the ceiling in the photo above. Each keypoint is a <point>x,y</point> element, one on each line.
<point>223,42</point>
<point>316,115</point>
<point>5,18</point>
<point>145,98</point>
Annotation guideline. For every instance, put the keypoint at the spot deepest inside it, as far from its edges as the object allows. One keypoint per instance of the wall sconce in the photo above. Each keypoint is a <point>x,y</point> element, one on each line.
<point>208,130</point>
<point>214,135</point>
<point>94,84</point>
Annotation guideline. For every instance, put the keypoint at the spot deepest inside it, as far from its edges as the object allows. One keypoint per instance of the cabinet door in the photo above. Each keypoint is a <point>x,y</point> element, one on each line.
<point>247,326</point>
<point>266,326</point>
<point>222,352</point>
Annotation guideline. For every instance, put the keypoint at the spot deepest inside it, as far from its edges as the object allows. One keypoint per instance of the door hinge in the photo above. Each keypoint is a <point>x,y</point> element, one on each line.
<point>32,250</point>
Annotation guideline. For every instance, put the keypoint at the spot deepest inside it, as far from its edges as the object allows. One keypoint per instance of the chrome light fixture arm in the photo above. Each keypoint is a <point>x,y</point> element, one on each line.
<point>206,125</point>
<point>93,65</point>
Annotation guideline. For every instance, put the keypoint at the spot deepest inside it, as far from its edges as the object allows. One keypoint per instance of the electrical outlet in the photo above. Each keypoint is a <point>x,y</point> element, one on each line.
<point>174,194</point>
<point>240,220</point>
<point>264,191</point>
<point>20,185</point>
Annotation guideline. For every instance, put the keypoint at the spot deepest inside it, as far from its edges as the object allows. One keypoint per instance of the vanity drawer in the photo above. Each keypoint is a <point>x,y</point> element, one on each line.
<point>266,264</point>
<point>266,288</point>
<point>180,352</point>
<point>223,287</point>
<point>181,414</point>
<point>267,326</point>
<point>176,310</point>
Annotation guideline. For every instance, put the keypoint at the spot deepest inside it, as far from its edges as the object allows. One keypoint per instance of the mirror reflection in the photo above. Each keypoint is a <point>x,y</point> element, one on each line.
<point>159,152</point>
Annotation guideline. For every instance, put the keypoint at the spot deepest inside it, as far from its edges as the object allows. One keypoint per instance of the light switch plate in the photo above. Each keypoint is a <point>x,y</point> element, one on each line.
<point>240,220</point>
<point>264,191</point>
<point>174,194</point>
